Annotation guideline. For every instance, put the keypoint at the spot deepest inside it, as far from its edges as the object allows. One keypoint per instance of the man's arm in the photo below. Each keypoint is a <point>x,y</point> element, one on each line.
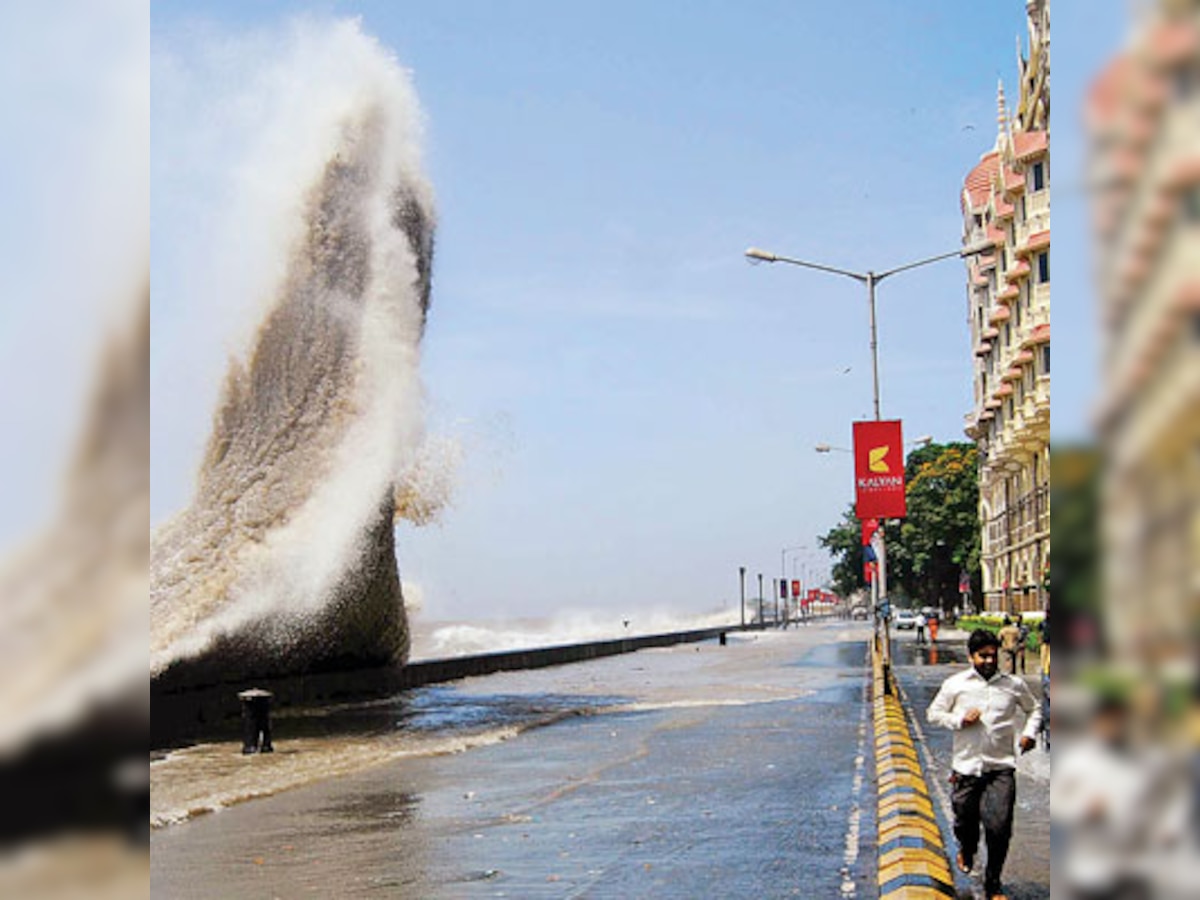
<point>941,710</point>
<point>1033,716</point>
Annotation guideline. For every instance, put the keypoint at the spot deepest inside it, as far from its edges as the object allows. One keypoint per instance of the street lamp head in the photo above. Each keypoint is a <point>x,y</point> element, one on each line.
<point>976,249</point>
<point>755,256</point>
<point>822,448</point>
<point>924,440</point>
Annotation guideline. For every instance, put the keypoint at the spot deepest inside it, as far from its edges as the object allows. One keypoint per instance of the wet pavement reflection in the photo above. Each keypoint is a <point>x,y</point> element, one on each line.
<point>736,771</point>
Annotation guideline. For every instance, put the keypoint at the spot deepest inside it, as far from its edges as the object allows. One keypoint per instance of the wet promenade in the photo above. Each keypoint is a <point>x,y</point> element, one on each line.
<point>692,771</point>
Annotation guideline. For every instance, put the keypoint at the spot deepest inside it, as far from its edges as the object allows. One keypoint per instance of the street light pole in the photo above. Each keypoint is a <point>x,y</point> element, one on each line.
<point>742,579</point>
<point>783,568</point>
<point>870,279</point>
<point>760,601</point>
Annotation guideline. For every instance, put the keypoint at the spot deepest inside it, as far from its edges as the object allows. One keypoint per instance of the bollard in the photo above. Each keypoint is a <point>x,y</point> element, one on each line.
<point>722,639</point>
<point>256,721</point>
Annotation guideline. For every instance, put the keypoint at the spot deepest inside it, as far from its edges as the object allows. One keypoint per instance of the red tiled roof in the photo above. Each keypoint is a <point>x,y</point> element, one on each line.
<point>996,235</point>
<point>1184,173</point>
<point>1013,374</point>
<point>1150,91</point>
<point>1039,240</point>
<point>1020,270</point>
<point>989,333</point>
<point>1004,390</point>
<point>978,183</point>
<point>1188,296</point>
<point>1025,356</point>
<point>1104,96</point>
<point>1160,211</point>
<point>1126,162</point>
<point>1027,144</point>
<point>999,314</point>
<point>1009,293</point>
<point>1004,209</point>
<point>983,349</point>
<point>1039,335</point>
<point>1173,42</point>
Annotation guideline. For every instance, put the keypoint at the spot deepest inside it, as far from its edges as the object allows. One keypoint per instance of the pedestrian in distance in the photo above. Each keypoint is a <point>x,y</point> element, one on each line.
<point>994,717</point>
<point>1022,643</point>
<point>1010,637</point>
<point>920,628</point>
<point>1044,635</point>
<point>933,628</point>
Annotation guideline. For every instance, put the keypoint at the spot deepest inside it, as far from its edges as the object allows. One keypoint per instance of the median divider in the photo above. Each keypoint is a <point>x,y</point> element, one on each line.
<point>912,855</point>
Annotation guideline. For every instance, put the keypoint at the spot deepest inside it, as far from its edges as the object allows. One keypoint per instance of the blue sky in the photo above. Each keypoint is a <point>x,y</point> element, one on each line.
<point>638,405</point>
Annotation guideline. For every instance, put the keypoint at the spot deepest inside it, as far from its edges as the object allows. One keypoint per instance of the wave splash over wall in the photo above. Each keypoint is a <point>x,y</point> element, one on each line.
<point>284,560</point>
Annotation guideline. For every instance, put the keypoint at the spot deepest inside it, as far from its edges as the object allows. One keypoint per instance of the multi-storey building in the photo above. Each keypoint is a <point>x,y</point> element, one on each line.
<point>1006,207</point>
<point>1143,118</point>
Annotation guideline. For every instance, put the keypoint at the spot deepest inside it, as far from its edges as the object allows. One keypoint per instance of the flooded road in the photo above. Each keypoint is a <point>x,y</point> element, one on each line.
<point>691,771</point>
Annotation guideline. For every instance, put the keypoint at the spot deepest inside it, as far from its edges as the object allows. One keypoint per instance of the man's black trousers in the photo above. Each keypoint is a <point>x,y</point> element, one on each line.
<point>985,799</point>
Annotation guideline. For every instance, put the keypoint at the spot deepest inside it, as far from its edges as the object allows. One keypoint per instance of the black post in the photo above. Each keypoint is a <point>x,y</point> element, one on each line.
<point>256,721</point>
<point>761,623</point>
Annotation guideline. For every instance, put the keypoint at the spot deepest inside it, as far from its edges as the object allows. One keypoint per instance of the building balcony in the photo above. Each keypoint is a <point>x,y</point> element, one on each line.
<point>1037,203</point>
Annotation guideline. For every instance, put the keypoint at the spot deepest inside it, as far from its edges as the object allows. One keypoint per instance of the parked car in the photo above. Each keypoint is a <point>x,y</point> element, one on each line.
<point>860,614</point>
<point>904,619</point>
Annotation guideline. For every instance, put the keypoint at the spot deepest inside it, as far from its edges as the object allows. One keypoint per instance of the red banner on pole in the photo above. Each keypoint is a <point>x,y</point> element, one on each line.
<point>879,470</point>
<point>795,588</point>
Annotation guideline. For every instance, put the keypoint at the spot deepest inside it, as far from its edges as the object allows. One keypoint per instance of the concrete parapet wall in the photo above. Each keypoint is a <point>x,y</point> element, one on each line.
<point>912,854</point>
<point>212,710</point>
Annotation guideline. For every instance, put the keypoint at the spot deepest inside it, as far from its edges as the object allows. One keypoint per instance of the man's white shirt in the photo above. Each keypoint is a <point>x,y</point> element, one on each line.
<point>990,743</point>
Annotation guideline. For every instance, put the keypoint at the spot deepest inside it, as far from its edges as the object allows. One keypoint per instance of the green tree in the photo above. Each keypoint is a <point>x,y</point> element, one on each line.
<point>939,539</point>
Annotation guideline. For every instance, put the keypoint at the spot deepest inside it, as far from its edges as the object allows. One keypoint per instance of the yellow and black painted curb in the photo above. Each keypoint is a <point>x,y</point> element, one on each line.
<point>912,856</point>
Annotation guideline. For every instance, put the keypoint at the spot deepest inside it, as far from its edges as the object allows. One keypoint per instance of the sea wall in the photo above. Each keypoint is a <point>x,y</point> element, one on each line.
<point>188,712</point>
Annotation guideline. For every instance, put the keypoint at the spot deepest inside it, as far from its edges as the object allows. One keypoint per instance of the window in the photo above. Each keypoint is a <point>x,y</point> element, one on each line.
<point>1184,81</point>
<point>1007,334</point>
<point>1003,258</point>
<point>1046,357</point>
<point>1043,268</point>
<point>1038,176</point>
<point>1191,204</point>
<point>1017,313</point>
<point>1024,215</point>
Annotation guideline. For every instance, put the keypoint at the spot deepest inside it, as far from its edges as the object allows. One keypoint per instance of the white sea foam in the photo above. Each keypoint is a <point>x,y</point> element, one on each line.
<point>318,428</point>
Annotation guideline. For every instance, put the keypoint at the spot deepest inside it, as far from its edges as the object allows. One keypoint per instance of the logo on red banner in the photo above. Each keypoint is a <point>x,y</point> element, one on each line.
<point>879,470</point>
<point>795,588</point>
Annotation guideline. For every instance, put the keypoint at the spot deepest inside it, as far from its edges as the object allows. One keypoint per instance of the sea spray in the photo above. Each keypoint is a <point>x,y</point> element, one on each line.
<point>284,560</point>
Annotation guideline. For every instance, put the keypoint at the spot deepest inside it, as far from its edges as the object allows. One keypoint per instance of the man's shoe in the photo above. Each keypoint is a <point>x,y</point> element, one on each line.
<point>964,865</point>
